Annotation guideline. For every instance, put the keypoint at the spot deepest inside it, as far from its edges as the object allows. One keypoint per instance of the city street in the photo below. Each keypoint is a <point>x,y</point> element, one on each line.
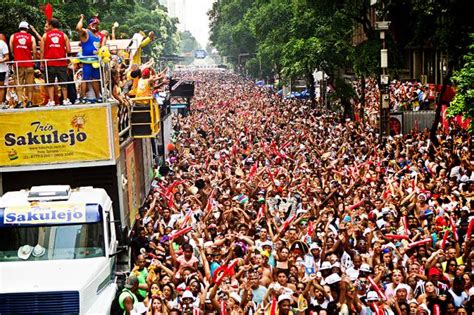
<point>237,157</point>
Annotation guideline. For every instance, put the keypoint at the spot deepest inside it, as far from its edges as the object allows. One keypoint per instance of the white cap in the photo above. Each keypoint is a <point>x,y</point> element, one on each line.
<point>336,265</point>
<point>372,296</point>
<point>365,267</point>
<point>38,251</point>
<point>24,252</point>
<point>24,24</point>
<point>402,286</point>
<point>314,246</point>
<point>325,265</point>
<point>332,278</point>
<point>187,294</point>
<point>235,297</point>
<point>267,243</point>
<point>284,297</point>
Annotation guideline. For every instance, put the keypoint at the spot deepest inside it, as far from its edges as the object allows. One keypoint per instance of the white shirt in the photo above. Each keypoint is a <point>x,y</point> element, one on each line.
<point>3,53</point>
<point>458,299</point>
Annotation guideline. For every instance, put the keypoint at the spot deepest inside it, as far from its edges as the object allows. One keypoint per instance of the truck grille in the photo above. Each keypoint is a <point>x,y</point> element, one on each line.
<point>40,303</point>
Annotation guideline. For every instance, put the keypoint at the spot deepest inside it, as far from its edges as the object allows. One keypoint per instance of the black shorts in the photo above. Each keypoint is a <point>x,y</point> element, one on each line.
<point>3,75</point>
<point>57,72</point>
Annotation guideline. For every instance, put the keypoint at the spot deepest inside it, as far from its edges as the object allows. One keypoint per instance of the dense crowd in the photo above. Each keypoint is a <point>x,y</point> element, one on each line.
<point>266,206</point>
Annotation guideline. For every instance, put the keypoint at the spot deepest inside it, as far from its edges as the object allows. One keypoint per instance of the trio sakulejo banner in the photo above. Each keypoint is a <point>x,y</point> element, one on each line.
<point>54,136</point>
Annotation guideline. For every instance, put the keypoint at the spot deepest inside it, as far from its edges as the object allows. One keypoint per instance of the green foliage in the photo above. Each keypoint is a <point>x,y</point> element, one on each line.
<point>188,42</point>
<point>463,102</point>
<point>231,31</point>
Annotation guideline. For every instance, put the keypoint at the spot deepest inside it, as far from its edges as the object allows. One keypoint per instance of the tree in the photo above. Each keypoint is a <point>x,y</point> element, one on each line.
<point>463,102</point>
<point>270,24</point>
<point>230,29</point>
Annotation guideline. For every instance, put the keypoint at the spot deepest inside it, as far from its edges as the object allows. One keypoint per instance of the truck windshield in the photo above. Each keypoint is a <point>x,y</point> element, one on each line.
<point>30,243</point>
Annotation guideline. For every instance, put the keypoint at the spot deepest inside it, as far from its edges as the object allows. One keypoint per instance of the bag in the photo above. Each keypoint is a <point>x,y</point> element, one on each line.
<point>115,309</point>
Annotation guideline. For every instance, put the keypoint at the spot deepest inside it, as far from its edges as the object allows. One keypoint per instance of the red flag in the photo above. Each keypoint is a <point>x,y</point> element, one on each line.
<point>310,229</point>
<point>48,11</point>
<point>469,230</point>
<point>287,223</point>
<point>209,201</point>
<point>422,242</point>
<point>173,185</point>
<point>453,229</point>
<point>261,212</point>
<point>186,219</point>
<point>396,237</point>
<point>180,232</point>
<point>271,176</point>
<point>405,225</point>
<point>274,306</point>
<point>354,206</point>
<point>170,202</point>
<point>223,307</point>
<point>445,238</point>
<point>234,149</point>
<point>224,270</point>
<point>377,288</point>
<point>253,170</point>
<point>284,146</point>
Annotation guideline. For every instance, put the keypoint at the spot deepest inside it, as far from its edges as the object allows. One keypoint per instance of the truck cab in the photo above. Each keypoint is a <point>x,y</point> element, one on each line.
<point>57,253</point>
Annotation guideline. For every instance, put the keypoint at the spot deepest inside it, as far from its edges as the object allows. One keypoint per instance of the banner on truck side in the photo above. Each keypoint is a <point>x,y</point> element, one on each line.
<point>54,136</point>
<point>45,213</point>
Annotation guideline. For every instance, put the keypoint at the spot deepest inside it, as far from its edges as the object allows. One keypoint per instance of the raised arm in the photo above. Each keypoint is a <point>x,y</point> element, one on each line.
<point>81,30</point>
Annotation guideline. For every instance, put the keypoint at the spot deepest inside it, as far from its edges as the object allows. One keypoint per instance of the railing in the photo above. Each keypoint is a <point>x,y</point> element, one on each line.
<point>124,126</point>
<point>104,74</point>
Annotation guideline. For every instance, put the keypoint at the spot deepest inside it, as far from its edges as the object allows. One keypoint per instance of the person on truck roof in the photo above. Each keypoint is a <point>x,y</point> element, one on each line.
<point>55,46</point>
<point>91,41</point>
<point>23,47</point>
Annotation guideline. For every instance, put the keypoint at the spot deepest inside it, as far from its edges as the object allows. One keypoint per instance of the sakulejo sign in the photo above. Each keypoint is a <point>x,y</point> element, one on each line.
<point>54,136</point>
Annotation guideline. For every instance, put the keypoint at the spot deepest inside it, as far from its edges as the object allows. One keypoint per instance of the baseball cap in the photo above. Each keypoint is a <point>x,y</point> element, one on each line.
<point>434,272</point>
<point>314,246</point>
<point>131,282</point>
<point>146,72</point>
<point>94,20</point>
<point>372,296</point>
<point>325,265</point>
<point>24,24</point>
<point>235,297</point>
<point>284,297</point>
<point>187,295</point>
<point>402,286</point>
<point>334,278</point>
<point>336,265</point>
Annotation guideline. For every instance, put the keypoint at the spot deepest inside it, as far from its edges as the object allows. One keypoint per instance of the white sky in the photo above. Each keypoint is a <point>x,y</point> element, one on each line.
<point>192,15</point>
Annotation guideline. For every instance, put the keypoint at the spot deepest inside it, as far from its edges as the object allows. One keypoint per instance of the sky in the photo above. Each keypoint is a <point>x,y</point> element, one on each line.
<point>192,15</point>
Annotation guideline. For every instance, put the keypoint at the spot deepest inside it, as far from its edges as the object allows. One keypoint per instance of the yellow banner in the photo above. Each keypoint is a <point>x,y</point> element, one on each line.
<point>54,136</point>
<point>46,213</point>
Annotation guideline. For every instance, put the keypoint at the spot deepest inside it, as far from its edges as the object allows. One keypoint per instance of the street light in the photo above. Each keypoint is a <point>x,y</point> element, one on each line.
<point>384,118</point>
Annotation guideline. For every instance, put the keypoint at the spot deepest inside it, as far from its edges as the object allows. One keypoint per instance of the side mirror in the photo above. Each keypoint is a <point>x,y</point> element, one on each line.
<point>119,251</point>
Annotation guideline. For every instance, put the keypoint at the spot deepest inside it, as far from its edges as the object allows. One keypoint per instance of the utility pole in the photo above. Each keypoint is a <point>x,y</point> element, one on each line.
<point>384,114</point>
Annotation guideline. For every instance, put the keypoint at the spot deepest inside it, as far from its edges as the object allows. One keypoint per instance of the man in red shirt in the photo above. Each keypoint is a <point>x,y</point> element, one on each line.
<point>55,45</point>
<point>23,47</point>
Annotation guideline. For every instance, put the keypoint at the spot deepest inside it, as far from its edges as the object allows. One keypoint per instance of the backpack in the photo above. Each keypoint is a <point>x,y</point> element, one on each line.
<point>115,308</point>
